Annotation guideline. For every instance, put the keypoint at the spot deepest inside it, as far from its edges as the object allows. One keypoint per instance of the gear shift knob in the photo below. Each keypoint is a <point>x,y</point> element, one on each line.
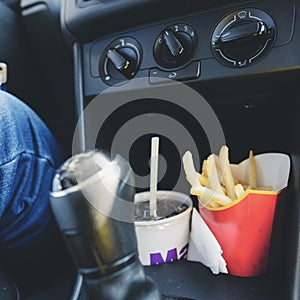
<point>92,200</point>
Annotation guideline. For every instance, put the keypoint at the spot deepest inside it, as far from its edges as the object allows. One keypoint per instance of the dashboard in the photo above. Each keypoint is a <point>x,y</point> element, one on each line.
<point>209,42</point>
<point>241,56</point>
<point>198,45</point>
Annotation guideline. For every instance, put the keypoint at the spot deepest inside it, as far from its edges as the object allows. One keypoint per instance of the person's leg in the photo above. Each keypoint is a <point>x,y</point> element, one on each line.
<point>29,156</point>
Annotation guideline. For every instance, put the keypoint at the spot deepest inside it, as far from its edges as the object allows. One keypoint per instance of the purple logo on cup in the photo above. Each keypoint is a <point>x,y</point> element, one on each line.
<point>157,258</point>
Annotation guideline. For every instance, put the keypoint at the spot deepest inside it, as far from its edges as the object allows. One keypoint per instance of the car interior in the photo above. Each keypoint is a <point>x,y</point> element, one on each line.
<point>241,56</point>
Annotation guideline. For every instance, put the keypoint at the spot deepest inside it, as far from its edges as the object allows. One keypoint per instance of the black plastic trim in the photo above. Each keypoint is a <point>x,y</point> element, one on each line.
<point>79,99</point>
<point>87,22</point>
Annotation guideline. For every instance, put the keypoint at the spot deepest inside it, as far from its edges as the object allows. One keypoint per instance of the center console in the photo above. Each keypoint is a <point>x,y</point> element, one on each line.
<point>242,57</point>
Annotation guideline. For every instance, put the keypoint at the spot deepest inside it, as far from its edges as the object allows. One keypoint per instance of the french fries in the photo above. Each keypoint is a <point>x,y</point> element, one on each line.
<point>227,178</point>
<point>252,171</point>
<point>213,177</point>
<point>189,168</point>
<point>239,190</point>
<point>216,186</point>
<point>209,194</point>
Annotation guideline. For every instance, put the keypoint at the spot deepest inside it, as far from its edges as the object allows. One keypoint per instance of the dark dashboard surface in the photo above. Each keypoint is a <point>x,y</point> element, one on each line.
<point>86,20</point>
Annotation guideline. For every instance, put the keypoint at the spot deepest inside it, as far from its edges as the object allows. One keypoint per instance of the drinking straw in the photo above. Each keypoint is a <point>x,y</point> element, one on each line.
<point>153,176</point>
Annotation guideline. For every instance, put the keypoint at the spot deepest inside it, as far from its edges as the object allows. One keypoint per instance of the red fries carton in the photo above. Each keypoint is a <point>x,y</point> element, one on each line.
<point>243,229</point>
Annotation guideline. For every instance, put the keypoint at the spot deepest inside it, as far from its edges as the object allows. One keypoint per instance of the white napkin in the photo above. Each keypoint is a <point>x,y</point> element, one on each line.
<point>204,247</point>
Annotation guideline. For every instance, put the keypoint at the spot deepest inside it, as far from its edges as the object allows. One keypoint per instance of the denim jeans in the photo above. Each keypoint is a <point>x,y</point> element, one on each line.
<point>29,155</point>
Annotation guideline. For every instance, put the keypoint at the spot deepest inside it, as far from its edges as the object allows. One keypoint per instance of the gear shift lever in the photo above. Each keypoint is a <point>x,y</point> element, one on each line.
<point>92,202</point>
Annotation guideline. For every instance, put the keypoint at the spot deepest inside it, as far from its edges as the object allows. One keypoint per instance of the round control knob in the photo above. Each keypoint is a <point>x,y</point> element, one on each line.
<point>243,37</point>
<point>175,46</point>
<point>120,60</point>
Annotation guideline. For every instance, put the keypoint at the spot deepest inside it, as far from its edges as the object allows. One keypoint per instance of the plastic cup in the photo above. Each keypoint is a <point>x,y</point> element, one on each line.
<point>164,240</point>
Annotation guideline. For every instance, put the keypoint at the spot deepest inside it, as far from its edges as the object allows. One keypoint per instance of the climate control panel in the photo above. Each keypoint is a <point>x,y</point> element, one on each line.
<point>203,46</point>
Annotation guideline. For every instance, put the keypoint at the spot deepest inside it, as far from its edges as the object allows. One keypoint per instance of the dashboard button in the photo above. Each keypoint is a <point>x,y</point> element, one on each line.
<point>243,37</point>
<point>175,46</point>
<point>120,61</point>
<point>192,71</point>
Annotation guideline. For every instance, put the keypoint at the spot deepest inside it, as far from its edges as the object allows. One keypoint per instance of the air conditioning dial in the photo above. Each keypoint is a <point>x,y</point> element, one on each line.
<point>120,60</point>
<point>175,46</point>
<point>243,37</point>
